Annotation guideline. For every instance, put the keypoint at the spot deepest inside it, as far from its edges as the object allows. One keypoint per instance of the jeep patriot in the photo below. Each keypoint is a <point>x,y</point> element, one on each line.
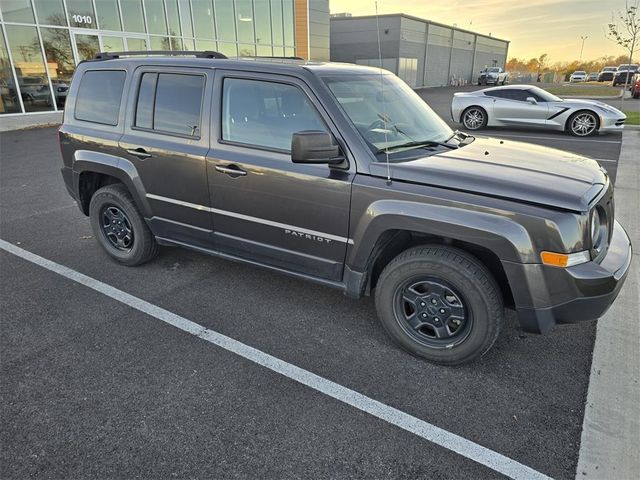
<point>340,174</point>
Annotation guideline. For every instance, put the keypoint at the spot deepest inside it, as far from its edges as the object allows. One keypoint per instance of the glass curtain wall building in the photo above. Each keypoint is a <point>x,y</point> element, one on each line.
<point>42,40</point>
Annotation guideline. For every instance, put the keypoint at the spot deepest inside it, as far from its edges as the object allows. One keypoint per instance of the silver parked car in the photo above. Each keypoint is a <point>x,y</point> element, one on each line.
<point>530,106</point>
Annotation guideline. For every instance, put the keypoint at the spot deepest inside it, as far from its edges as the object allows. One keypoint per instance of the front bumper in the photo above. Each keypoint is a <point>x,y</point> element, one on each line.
<point>611,123</point>
<point>548,295</point>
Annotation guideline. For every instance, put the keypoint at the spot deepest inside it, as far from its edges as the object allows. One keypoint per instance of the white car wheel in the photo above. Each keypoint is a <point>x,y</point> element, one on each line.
<point>583,124</point>
<point>474,118</point>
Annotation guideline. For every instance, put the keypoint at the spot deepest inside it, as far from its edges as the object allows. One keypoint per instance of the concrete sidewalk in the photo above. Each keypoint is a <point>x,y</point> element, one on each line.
<point>18,122</point>
<point>611,428</point>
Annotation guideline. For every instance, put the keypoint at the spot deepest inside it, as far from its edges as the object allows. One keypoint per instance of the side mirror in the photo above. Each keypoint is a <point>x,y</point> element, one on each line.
<point>532,101</point>
<point>314,146</point>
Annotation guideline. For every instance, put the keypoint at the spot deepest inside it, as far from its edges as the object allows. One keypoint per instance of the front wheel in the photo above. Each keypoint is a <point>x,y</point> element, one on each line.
<point>583,124</point>
<point>440,303</point>
<point>119,226</point>
<point>474,118</point>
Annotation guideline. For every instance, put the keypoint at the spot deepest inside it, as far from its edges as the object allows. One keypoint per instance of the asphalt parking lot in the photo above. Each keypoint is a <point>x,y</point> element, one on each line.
<point>92,388</point>
<point>604,148</point>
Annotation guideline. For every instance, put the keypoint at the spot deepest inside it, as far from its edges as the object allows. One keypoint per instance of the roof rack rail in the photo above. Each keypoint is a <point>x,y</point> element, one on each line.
<point>270,56</point>
<point>197,54</point>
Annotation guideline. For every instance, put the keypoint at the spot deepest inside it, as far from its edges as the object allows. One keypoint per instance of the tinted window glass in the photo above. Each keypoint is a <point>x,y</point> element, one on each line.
<point>146,96</point>
<point>265,114</point>
<point>99,96</point>
<point>510,94</point>
<point>170,102</point>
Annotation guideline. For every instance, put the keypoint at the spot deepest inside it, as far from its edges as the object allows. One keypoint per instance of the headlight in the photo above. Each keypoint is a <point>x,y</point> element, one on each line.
<point>598,228</point>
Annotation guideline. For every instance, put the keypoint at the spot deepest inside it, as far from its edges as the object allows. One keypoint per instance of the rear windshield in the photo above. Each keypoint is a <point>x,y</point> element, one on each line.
<point>99,96</point>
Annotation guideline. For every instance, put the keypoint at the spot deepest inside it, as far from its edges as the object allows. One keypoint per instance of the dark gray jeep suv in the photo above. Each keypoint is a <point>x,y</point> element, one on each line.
<point>341,175</point>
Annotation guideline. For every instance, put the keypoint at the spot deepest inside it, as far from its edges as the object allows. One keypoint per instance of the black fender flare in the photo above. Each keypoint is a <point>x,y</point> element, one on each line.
<point>509,240</point>
<point>114,166</point>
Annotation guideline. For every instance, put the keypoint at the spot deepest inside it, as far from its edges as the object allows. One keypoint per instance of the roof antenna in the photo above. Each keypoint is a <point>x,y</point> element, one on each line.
<point>384,104</point>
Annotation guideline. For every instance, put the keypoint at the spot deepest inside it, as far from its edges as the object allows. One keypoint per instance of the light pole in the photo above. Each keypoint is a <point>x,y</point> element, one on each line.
<point>582,48</point>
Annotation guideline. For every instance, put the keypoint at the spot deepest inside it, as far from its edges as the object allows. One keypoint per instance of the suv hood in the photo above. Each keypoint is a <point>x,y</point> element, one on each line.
<point>510,170</point>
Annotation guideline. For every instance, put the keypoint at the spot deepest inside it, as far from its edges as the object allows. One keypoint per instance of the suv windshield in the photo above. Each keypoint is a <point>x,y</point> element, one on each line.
<point>387,112</point>
<point>493,70</point>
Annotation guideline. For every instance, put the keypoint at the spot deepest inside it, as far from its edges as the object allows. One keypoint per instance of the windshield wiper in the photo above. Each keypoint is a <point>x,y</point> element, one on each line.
<point>424,143</point>
<point>465,138</point>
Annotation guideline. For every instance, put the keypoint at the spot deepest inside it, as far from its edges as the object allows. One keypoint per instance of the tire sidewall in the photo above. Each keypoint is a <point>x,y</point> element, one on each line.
<point>110,196</point>
<point>476,299</point>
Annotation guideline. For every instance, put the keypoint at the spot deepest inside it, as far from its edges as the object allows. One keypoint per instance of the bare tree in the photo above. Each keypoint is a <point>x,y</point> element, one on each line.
<point>625,31</point>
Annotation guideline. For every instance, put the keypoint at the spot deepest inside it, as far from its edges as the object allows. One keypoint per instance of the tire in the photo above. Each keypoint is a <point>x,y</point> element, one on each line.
<point>470,288</point>
<point>113,214</point>
<point>474,118</point>
<point>583,123</point>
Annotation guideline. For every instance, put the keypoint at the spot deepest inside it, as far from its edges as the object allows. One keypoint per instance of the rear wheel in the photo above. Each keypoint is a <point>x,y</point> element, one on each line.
<point>474,118</point>
<point>583,124</point>
<point>119,226</point>
<point>440,303</point>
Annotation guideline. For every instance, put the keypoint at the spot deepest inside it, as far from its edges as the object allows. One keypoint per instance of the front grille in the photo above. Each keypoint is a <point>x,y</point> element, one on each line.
<point>620,122</point>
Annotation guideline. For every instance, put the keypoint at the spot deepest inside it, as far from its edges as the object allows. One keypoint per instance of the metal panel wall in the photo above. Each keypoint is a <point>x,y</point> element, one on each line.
<point>443,54</point>
<point>356,38</point>
<point>438,55</point>
<point>413,42</point>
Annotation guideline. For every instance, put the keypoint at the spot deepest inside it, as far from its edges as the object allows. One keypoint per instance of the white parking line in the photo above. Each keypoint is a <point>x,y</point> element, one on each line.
<point>524,137</point>
<point>425,430</point>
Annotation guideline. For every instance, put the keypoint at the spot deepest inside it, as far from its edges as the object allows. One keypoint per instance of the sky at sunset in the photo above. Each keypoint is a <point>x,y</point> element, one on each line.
<point>533,27</point>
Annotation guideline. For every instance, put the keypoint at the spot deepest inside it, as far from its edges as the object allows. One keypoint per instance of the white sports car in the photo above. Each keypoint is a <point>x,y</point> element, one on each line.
<point>530,106</point>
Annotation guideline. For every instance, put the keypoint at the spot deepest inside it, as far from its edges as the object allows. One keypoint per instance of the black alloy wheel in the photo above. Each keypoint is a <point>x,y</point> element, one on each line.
<point>432,312</point>
<point>116,226</point>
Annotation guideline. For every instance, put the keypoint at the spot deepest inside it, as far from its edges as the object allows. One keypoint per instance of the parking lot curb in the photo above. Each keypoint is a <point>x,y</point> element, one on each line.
<point>611,427</point>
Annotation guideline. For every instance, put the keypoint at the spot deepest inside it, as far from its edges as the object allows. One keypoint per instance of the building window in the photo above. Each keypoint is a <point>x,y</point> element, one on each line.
<point>50,12</point>
<point>245,21</point>
<point>225,21</point>
<point>132,20</point>
<point>81,14</point>
<point>30,69</point>
<point>185,17</point>
<point>99,96</point>
<point>203,18</point>
<point>9,102</point>
<point>287,12</point>
<point>60,64</point>
<point>277,31</point>
<point>156,21</point>
<point>263,22</point>
<point>17,11</point>
<point>108,15</point>
<point>173,17</point>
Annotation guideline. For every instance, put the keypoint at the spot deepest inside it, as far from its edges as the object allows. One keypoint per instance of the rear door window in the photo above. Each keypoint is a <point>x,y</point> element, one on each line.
<point>99,96</point>
<point>170,102</point>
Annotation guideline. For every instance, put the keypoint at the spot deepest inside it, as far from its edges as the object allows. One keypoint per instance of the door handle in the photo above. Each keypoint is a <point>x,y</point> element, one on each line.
<point>231,170</point>
<point>139,152</point>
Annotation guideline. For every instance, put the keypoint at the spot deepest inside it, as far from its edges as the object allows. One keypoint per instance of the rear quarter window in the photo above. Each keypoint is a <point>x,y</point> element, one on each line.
<point>99,96</point>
